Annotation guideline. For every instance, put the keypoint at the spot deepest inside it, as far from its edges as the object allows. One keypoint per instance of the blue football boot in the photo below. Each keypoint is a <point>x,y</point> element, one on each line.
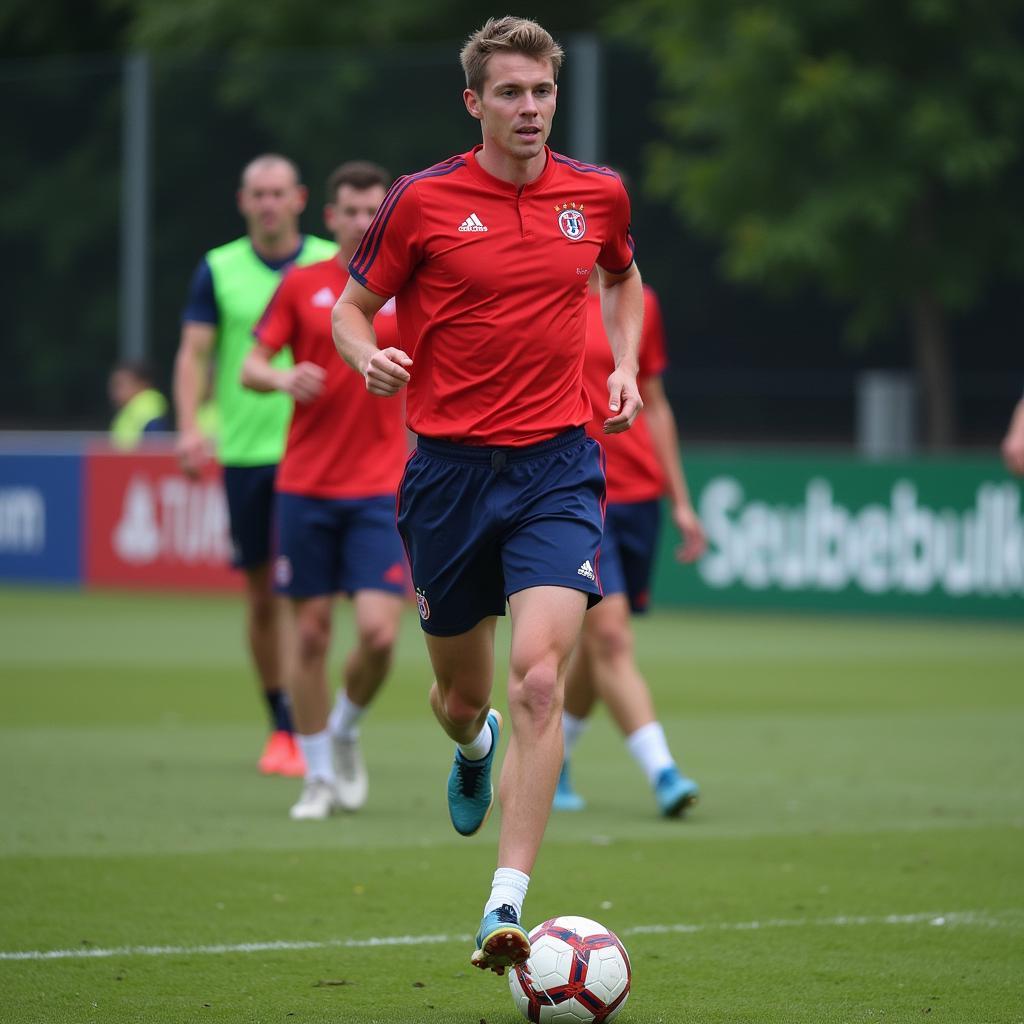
<point>501,942</point>
<point>674,792</point>
<point>470,793</point>
<point>566,798</point>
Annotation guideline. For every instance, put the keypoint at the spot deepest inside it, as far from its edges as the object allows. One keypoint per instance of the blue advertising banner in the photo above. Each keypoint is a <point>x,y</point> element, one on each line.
<point>41,517</point>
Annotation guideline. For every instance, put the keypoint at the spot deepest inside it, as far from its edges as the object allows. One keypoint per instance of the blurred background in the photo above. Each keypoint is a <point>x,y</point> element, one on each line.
<point>827,200</point>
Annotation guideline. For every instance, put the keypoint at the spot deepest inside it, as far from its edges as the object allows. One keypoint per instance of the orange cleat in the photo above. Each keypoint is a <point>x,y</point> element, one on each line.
<point>281,756</point>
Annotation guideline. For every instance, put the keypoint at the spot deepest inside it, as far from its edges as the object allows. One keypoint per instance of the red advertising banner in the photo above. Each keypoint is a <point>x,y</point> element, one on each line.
<point>148,525</point>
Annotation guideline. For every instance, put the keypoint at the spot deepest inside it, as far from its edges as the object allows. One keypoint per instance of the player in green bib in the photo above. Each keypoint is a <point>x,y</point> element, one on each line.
<point>229,291</point>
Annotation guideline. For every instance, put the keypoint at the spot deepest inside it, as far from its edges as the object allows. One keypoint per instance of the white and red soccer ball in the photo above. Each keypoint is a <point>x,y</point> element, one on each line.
<point>578,972</point>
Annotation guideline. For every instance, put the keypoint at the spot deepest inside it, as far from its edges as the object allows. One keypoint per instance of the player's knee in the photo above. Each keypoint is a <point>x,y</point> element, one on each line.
<point>535,692</point>
<point>460,710</point>
<point>314,637</point>
<point>609,641</point>
<point>377,639</point>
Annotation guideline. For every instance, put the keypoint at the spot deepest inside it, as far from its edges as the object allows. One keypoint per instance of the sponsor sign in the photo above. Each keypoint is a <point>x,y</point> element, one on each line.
<point>40,531</point>
<point>148,525</point>
<point>783,531</point>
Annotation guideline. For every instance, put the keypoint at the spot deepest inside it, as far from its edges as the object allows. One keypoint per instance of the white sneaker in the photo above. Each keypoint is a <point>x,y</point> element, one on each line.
<point>319,800</point>
<point>350,768</point>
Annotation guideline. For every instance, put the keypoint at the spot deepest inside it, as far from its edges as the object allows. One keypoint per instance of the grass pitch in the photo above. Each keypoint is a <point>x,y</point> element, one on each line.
<point>857,856</point>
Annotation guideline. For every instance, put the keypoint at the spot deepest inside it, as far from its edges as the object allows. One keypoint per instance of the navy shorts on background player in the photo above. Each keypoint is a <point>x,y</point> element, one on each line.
<point>482,523</point>
<point>628,549</point>
<point>250,494</point>
<point>330,546</point>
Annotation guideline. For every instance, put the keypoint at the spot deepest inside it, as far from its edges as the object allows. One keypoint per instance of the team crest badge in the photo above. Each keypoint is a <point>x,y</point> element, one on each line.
<point>572,224</point>
<point>422,605</point>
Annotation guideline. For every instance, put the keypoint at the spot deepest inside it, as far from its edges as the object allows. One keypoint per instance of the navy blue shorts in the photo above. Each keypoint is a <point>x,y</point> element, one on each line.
<point>627,552</point>
<point>250,494</point>
<point>480,524</point>
<point>337,546</point>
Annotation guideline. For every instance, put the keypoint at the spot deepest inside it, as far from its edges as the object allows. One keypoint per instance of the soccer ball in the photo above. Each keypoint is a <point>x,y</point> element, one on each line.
<point>578,972</point>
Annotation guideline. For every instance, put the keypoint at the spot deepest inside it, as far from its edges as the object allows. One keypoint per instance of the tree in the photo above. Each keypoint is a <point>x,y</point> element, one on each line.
<point>873,148</point>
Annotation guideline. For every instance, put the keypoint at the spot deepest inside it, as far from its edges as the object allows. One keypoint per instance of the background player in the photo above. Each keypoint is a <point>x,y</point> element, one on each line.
<point>229,291</point>
<point>335,503</point>
<point>1013,443</point>
<point>642,465</point>
<point>488,254</point>
<point>141,409</point>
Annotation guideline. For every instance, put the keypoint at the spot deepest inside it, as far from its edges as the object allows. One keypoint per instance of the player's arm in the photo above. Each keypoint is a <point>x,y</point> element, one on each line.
<point>661,422</point>
<point>304,381</point>
<point>622,313</point>
<point>191,373</point>
<point>384,370</point>
<point>1013,443</point>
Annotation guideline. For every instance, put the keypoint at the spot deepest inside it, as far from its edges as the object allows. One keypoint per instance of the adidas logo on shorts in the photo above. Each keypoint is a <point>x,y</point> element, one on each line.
<point>586,569</point>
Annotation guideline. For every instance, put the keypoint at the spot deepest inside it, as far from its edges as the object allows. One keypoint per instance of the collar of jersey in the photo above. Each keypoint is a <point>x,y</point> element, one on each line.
<point>482,176</point>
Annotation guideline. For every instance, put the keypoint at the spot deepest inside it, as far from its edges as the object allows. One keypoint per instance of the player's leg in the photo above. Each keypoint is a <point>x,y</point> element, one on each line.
<point>545,623</point>
<point>460,698</point>
<point>371,567</point>
<point>608,641</point>
<point>311,618</point>
<point>377,615</point>
<point>250,497</point>
<point>580,697</point>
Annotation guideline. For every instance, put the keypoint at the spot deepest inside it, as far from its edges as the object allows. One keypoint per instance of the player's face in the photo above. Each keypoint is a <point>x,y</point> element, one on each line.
<point>122,388</point>
<point>271,200</point>
<point>349,216</point>
<point>516,105</point>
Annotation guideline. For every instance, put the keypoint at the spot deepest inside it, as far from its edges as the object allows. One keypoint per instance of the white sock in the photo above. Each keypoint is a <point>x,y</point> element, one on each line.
<point>508,886</point>
<point>572,729</point>
<point>316,749</point>
<point>480,747</point>
<point>649,747</point>
<point>344,719</point>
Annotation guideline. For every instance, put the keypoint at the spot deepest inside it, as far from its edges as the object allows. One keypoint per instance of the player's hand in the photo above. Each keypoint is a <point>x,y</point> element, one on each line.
<point>694,541</point>
<point>624,402</point>
<point>386,372</point>
<point>1013,454</point>
<point>305,382</point>
<point>193,450</point>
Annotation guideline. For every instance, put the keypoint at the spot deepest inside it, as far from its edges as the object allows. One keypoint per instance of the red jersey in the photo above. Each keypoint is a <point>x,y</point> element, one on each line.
<point>491,285</point>
<point>347,443</point>
<point>633,471</point>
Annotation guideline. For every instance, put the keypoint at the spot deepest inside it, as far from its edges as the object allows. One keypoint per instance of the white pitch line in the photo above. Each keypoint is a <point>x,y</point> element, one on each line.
<point>954,918</point>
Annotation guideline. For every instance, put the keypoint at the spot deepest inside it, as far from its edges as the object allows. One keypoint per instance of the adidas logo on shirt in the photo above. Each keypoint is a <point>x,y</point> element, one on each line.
<point>472,223</point>
<point>586,569</point>
<point>323,298</point>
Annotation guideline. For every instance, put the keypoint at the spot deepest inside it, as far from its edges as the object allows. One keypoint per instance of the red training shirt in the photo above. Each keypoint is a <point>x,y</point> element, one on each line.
<point>632,470</point>
<point>491,285</point>
<point>347,443</point>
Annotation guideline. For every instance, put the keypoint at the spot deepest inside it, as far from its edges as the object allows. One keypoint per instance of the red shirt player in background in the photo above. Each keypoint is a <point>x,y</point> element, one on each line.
<point>488,255</point>
<point>642,466</point>
<point>335,500</point>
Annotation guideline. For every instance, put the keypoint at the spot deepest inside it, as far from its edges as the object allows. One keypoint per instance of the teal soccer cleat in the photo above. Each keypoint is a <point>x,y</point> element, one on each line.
<point>501,942</point>
<point>566,798</point>
<point>675,793</point>
<point>470,793</point>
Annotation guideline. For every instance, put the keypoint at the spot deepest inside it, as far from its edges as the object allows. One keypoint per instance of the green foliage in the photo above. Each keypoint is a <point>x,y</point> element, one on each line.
<point>869,146</point>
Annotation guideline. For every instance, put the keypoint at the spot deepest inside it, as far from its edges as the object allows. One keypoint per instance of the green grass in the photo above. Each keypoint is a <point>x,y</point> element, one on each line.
<point>857,856</point>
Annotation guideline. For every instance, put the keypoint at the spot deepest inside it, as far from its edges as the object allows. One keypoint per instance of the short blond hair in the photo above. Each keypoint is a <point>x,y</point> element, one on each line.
<point>507,35</point>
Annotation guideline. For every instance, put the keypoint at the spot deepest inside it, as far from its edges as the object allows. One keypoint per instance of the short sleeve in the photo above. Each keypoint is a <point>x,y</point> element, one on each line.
<point>277,327</point>
<point>392,246</point>
<point>653,354</point>
<point>201,301</point>
<point>616,254</point>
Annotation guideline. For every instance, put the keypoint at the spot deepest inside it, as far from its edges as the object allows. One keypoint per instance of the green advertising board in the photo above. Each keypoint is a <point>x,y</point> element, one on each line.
<point>839,533</point>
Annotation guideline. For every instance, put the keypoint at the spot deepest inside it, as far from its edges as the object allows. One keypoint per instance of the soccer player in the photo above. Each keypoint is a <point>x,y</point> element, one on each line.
<point>229,291</point>
<point>488,254</point>
<point>642,466</point>
<point>1013,443</point>
<point>335,504</point>
<point>141,409</point>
